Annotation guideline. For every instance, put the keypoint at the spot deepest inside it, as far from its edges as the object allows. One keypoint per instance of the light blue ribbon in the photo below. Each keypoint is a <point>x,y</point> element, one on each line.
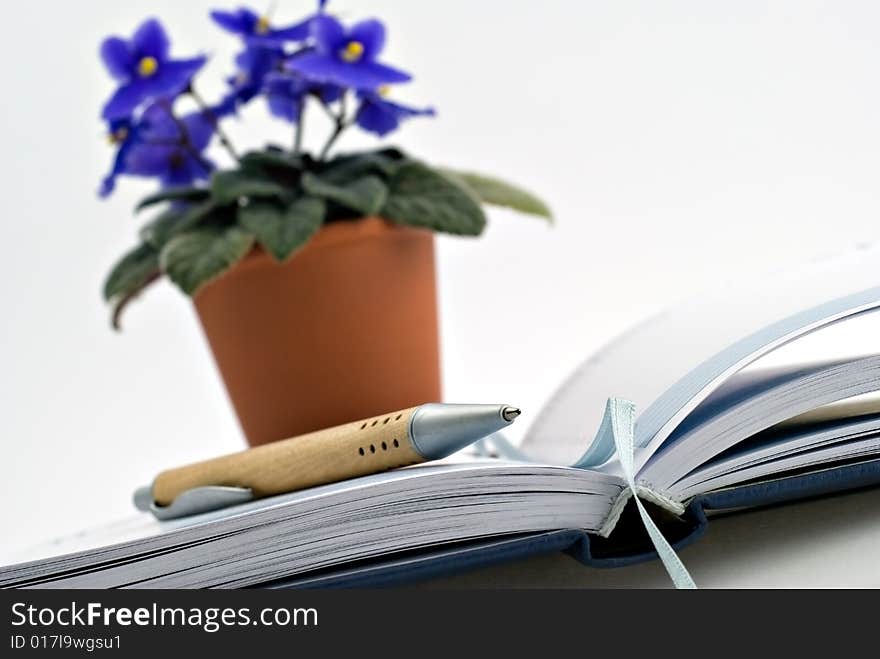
<point>616,435</point>
<point>621,415</point>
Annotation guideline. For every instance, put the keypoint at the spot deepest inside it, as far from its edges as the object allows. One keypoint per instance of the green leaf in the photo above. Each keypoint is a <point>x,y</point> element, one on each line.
<point>282,231</point>
<point>345,169</point>
<point>174,194</point>
<point>230,186</point>
<point>175,221</point>
<point>262,160</point>
<point>365,195</point>
<point>422,197</point>
<point>193,259</point>
<point>500,193</point>
<point>132,274</point>
<point>135,269</point>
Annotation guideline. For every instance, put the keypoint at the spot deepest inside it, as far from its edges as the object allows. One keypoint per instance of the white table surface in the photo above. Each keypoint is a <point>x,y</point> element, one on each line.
<point>824,543</point>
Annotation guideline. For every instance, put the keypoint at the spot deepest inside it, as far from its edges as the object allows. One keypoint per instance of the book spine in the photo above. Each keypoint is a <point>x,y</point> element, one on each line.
<point>645,494</point>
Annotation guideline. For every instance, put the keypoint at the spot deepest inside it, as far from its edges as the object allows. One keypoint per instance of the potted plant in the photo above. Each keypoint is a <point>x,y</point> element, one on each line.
<point>312,274</point>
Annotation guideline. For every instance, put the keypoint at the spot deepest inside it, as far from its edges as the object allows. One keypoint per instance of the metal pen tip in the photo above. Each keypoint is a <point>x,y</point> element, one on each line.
<point>510,414</point>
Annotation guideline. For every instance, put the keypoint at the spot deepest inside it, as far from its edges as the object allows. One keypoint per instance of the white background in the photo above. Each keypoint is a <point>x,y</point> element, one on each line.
<point>708,137</point>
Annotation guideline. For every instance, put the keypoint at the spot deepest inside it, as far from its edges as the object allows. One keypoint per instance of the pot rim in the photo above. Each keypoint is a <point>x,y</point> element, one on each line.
<point>334,234</point>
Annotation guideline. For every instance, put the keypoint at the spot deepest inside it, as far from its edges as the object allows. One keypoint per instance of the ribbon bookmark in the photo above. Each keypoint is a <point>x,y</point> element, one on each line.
<point>622,416</point>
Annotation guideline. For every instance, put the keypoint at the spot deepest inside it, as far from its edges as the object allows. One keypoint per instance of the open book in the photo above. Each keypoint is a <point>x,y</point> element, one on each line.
<point>740,405</point>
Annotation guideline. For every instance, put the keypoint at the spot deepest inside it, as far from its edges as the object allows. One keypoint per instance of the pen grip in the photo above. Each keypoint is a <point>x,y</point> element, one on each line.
<point>327,456</point>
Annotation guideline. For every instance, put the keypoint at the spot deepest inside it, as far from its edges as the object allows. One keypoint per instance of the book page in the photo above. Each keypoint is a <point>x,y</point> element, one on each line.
<point>767,450</point>
<point>671,363</point>
<point>324,527</point>
<point>857,337</point>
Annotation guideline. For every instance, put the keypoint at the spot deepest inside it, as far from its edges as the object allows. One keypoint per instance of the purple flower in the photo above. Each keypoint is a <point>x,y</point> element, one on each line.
<point>249,25</point>
<point>227,106</point>
<point>286,94</point>
<point>347,58</point>
<point>254,64</point>
<point>264,51</point>
<point>380,116</point>
<point>160,145</point>
<point>144,70</point>
<point>171,150</point>
<point>122,134</point>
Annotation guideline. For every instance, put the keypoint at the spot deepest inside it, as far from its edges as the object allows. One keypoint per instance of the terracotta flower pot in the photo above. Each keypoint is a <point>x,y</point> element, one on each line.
<point>345,330</point>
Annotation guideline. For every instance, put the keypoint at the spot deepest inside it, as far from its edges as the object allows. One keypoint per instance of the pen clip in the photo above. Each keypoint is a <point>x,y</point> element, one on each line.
<point>192,502</point>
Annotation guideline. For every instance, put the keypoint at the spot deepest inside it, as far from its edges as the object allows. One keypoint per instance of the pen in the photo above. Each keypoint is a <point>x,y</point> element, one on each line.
<point>390,441</point>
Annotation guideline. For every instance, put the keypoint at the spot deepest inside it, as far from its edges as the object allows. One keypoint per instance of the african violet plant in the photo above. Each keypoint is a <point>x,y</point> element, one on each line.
<point>277,198</point>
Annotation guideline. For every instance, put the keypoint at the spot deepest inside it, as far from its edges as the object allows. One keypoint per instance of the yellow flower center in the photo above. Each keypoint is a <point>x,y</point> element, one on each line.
<point>353,51</point>
<point>263,25</point>
<point>147,67</point>
<point>118,137</point>
<point>384,91</point>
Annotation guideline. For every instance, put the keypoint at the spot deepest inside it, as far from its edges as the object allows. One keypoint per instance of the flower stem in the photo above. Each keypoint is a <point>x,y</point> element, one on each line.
<point>298,134</point>
<point>342,123</point>
<point>327,110</point>
<point>185,139</point>
<point>224,138</point>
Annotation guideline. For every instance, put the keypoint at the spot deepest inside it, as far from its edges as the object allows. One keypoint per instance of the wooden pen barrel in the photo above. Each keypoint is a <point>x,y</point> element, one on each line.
<point>327,456</point>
